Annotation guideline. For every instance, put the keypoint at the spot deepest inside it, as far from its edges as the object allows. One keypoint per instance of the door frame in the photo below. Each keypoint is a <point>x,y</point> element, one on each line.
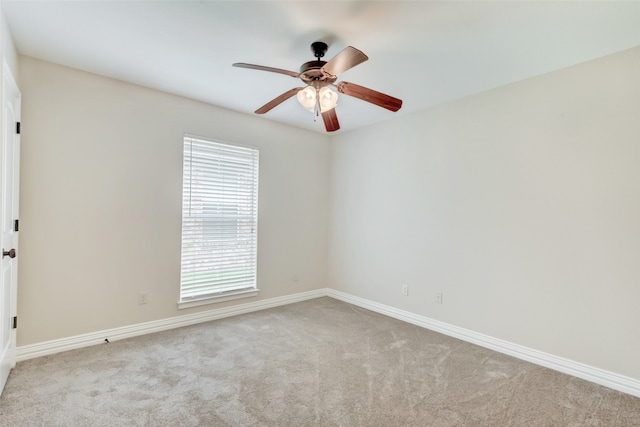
<point>11,94</point>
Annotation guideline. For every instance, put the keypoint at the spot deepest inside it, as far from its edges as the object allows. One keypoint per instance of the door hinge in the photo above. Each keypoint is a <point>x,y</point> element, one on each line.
<point>18,128</point>
<point>15,322</point>
<point>16,225</point>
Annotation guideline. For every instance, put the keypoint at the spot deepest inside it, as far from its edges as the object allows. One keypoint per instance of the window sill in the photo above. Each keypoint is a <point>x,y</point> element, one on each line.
<point>218,298</point>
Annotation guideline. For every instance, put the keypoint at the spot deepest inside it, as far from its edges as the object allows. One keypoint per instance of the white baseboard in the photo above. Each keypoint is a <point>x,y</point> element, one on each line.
<point>599,376</point>
<point>85,340</point>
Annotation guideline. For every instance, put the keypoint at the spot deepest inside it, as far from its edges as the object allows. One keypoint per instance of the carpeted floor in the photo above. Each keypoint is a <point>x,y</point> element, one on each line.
<point>316,363</point>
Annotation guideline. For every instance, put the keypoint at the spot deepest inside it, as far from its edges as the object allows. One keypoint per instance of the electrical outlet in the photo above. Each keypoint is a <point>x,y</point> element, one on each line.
<point>438,297</point>
<point>142,297</point>
<point>405,290</point>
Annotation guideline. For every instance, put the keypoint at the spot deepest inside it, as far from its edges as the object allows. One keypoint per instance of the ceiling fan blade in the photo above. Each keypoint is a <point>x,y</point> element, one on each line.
<point>330,120</point>
<point>370,95</point>
<point>277,100</point>
<point>263,68</point>
<point>348,58</point>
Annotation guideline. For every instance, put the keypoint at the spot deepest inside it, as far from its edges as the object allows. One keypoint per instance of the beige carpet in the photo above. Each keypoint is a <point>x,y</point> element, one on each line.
<point>316,363</point>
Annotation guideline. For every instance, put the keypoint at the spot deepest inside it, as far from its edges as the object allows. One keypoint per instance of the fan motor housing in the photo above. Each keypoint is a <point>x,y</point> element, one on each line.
<point>312,72</point>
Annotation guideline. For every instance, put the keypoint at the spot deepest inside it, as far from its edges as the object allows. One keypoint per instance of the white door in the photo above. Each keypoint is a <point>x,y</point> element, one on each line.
<point>9,174</point>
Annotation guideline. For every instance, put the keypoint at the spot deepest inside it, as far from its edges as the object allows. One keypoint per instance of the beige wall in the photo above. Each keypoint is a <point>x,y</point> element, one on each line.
<point>101,201</point>
<point>521,205</point>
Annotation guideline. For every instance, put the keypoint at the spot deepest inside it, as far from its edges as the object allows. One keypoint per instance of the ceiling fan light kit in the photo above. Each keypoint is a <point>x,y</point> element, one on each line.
<point>314,99</point>
<point>320,95</point>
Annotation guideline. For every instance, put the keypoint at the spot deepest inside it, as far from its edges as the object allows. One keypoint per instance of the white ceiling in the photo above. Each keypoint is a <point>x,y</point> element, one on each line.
<point>424,52</point>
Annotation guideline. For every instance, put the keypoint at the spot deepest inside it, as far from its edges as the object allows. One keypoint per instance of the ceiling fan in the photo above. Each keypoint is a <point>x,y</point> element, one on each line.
<point>319,95</point>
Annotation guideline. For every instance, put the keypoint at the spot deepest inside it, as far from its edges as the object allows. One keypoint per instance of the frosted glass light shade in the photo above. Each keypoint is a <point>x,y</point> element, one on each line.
<point>307,98</point>
<point>328,98</point>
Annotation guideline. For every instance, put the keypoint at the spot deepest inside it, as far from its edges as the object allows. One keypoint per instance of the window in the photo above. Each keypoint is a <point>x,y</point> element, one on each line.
<point>219,220</point>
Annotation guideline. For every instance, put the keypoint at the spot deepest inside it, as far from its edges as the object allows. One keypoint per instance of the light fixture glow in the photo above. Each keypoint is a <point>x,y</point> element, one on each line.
<point>313,99</point>
<point>328,98</point>
<point>307,98</point>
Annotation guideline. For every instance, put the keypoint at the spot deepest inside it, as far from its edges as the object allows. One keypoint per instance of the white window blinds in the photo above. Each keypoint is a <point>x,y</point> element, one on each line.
<point>219,219</point>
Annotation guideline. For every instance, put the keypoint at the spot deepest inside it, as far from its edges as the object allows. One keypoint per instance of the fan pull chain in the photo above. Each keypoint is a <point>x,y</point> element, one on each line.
<point>317,109</point>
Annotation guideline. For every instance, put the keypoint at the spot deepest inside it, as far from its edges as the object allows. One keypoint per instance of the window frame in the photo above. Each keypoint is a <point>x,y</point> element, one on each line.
<point>253,154</point>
